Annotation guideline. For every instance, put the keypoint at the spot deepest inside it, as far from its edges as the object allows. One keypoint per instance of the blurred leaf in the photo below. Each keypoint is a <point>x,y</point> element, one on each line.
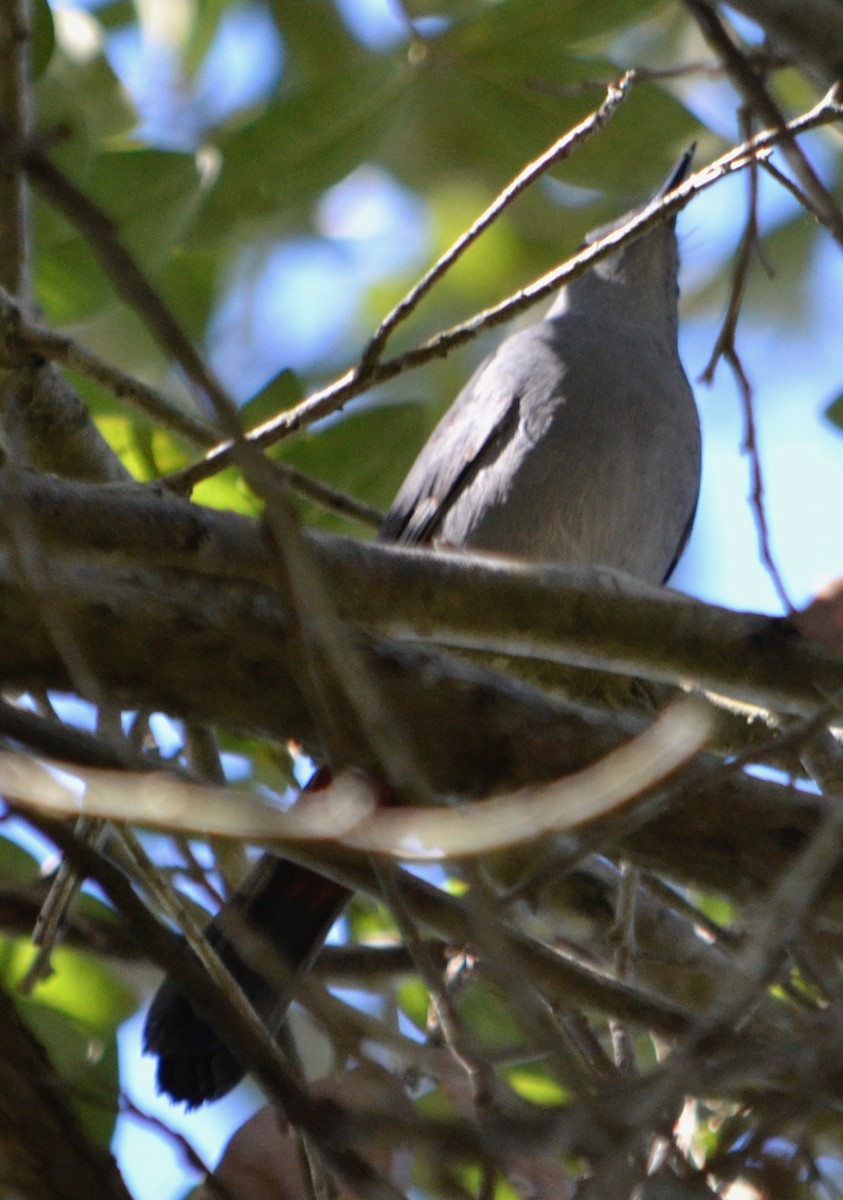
<point>366,453</point>
<point>269,762</point>
<point>129,438</point>
<point>536,1085</point>
<point>490,1017</point>
<point>189,279</point>
<point>149,195</point>
<point>531,20</point>
<point>315,38</point>
<point>80,987</point>
<point>281,392</point>
<point>16,864</point>
<point>227,491</point>
<point>301,144</point>
<point>86,1062</point>
<point>44,37</point>
<point>169,452</point>
<point>483,270</point>
<point>834,412</point>
<point>203,31</point>
<point>85,99</point>
<point>414,1001</point>
<point>714,907</point>
<point>114,14</point>
<point>371,922</point>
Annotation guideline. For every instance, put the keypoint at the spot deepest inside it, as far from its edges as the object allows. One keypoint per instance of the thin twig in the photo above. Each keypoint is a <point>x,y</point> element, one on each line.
<point>725,347</point>
<point>338,672</point>
<point>32,338</point>
<point>460,1042</point>
<point>125,275</point>
<point>180,1143</point>
<point>763,59</point>
<point>749,81</point>
<point>561,149</point>
<point>757,494</point>
<point>234,1019</point>
<point>355,381</point>
<point>36,339</point>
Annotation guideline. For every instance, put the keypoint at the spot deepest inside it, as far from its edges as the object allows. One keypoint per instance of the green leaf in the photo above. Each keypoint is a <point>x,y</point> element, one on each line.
<point>16,864</point>
<point>189,280</point>
<point>281,392</point>
<point>44,37</point>
<point>537,1086</point>
<point>366,453</point>
<point>414,1001</point>
<point>368,921</point>
<point>834,412</point>
<point>203,31</point>
<point>269,763</point>
<point>80,986</point>
<point>88,1064</point>
<point>301,144</point>
<point>151,196</point>
<point>316,40</point>
<point>228,492</point>
<point>117,13</point>
<point>489,1015</point>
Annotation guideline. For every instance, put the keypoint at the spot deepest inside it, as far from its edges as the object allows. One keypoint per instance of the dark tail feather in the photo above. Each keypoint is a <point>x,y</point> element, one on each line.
<point>291,909</point>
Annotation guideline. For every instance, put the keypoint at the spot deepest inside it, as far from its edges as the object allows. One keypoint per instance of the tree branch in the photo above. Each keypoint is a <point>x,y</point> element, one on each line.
<point>122,538</point>
<point>358,380</point>
<point>45,1153</point>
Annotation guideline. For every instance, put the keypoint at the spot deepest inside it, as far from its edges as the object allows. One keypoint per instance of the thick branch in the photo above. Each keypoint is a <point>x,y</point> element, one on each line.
<point>585,617</point>
<point>173,607</point>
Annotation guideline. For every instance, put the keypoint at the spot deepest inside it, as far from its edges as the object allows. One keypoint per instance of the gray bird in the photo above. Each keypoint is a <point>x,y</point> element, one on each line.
<point>576,441</point>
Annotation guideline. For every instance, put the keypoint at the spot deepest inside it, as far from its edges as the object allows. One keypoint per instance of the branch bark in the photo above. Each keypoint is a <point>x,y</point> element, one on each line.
<point>174,609</point>
<point>107,545</point>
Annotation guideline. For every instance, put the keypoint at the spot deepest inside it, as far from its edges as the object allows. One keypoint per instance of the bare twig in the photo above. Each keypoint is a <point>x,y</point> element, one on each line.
<point>125,275</point>
<point>757,494</point>
<point>33,338</point>
<point>749,80</point>
<point>457,1037</point>
<point>183,1147</point>
<point>30,338</point>
<point>235,1021</point>
<point>347,806</point>
<point>725,346</point>
<point>355,381</point>
<point>338,678</point>
<point>561,149</point>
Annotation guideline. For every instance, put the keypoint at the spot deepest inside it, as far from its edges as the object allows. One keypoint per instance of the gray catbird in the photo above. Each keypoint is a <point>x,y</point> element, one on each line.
<point>576,441</point>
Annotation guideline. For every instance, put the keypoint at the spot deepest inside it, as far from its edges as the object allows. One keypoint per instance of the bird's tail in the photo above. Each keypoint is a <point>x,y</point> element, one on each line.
<point>279,919</point>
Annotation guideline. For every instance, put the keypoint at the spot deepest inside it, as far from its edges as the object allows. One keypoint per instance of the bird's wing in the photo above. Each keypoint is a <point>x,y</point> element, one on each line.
<point>482,415</point>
